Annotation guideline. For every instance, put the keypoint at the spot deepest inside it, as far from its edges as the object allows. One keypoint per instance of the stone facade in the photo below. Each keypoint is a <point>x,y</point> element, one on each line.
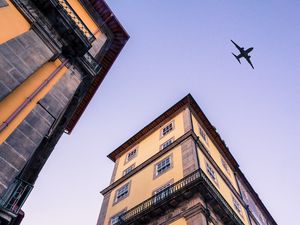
<point>3,3</point>
<point>189,158</point>
<point>256,211</point>
<point>193,210</point>
<point>22,143</point>
<point>103,211</point>
<point>187,120</point>
<point>60,95</point>
<point>19,58</point>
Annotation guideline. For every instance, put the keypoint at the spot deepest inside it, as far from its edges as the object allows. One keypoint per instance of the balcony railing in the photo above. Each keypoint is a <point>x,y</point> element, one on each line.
<point>73,15</point>
<point>16,196</point>
<point>196,181</point>
<point>75,35</point>
<point>89,63</point>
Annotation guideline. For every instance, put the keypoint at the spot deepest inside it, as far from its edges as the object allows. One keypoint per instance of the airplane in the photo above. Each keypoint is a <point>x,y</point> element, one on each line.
<point>243,53</point>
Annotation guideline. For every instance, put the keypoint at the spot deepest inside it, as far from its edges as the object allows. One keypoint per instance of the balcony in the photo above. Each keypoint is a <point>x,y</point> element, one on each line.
<point>15,196</point>
<point>180,191</point>
<point>76,36</point>
<point>89,64</point>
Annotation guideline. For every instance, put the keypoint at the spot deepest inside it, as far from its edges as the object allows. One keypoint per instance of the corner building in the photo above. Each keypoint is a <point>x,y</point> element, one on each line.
<point>54,54</point>
<point>178,171</point>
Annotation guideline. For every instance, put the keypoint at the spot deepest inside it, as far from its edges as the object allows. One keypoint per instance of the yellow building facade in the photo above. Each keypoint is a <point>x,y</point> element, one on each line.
<point>53,57</point>
<point>177,170</point>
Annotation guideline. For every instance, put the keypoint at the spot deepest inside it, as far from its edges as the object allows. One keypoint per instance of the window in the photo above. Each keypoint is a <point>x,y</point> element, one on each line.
<point>162,192</point>
<point>237,205</point>
<point>122,193</point>
<point>261,218</point>
<point>166,144</point>
<point>116,218</point>
<point>225,165</point>
<point>163,165</point>
<point>129,169</point>
<point>131,154</point>
<point>203,135</point>
<point>167,129</point>
<point>211,172</point>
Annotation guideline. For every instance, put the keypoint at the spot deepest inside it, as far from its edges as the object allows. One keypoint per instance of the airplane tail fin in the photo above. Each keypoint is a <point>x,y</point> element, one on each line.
<point>238,59</point>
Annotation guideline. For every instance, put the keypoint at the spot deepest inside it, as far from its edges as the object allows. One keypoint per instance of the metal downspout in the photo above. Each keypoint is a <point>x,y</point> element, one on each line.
<point>207,213</point>
<point>28,99</point>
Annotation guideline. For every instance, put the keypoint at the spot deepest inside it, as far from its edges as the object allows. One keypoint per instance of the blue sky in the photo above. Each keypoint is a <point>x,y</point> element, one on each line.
<point>180,47</point>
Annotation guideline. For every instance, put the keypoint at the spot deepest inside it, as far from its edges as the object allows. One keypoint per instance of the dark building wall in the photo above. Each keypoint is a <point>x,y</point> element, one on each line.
<point>258,214</point>
<point>19,58</point>
<point>22,143</point>
<point>59,96</point>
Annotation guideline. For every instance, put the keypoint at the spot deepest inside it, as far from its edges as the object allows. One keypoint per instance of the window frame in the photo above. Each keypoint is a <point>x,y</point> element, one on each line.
<point>237,205</point>
<point>225,165</point>
<point>118,199</point>
<point>128,158</point>
<point>203,134</point>
<point>130,168</point>
<point>156,173</point>
<point>162,133</point>
<point>117,215</point>
<point>162,147</point>
<point>213,175</point>
<point>161,189</point>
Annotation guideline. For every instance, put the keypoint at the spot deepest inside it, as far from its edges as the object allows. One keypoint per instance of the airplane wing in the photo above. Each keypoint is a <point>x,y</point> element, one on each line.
<point>249,61</point>
<point>236,45</point>
<point>249,50</point>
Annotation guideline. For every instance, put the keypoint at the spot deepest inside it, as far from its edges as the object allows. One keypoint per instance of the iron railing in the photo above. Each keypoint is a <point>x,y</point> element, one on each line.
<point>198,180</point>
<point>65,6</point>
<point>220,199</point>
<point>90,64</point>
<point>16,195</point>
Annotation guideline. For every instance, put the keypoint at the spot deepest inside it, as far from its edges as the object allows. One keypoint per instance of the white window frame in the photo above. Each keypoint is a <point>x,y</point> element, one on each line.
<point>128,169</point>
<point>115,219</point>
<point>122,193</point>
<point>161,192</point>
<point>160,168</point>
<point>166,143</point>
<point>131,154</point>
<point>237,205</point>
<point>212,173</point>
<point>203,134</point>
<point>168,128</point>
<point>225,165</point>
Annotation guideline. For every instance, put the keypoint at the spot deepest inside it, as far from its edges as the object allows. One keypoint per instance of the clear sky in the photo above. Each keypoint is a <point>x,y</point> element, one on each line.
<point>179,47</point>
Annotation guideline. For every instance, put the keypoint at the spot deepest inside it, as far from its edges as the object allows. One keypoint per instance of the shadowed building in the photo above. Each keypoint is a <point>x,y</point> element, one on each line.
<point>177,170</point>
<point>54,54</point>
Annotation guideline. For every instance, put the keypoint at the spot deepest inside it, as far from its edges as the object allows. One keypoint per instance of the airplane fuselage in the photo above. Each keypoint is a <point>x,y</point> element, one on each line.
<point>243,53</point>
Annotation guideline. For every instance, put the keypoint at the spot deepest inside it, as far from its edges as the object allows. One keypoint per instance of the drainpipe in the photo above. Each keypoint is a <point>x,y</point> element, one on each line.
<point>35,93</point>
<point>207,213</point>
<point>206,210</point>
